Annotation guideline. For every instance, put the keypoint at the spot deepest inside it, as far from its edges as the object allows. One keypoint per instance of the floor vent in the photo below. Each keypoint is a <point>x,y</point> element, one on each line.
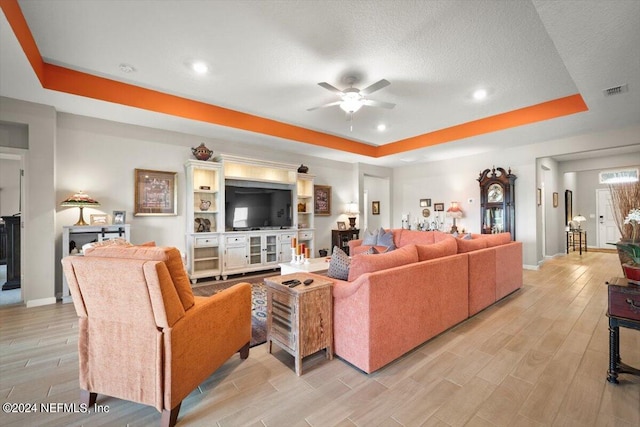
<point>616,90</point>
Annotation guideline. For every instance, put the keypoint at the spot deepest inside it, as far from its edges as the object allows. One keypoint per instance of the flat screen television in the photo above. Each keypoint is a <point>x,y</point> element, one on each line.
<point>257,206</point>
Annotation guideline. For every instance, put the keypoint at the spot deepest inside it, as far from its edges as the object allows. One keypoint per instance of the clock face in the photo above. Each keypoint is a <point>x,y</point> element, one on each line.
<point>495,194</point>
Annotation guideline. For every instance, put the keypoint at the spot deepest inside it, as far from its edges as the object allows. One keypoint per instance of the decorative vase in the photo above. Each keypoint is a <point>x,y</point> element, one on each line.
<point>201,152</point>
<point>205,205</point>
<point>632,273</point>
<point>624,257</point>
<point>303,169</point>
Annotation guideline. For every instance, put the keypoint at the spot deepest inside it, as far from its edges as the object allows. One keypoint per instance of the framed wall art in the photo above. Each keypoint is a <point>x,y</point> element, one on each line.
<point>425,203</point>
<point>322,200</point>
<point>438,207</point>
<point>539,197</point>
<point>568,206</point>
<point>155,193</point>
<point>375,208</point>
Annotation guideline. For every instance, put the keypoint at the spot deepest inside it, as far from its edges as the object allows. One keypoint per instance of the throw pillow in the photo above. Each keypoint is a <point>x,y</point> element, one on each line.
<point>369,238</point>
<point>339,264</point>
<point>386,239</point>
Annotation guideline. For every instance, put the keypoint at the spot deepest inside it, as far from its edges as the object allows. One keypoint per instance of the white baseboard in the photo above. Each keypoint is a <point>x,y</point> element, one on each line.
<point>530,267</point>
<point>41,301</point>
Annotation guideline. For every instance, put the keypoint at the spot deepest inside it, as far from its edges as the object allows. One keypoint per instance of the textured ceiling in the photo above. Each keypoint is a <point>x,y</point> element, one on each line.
<point>266,58</point>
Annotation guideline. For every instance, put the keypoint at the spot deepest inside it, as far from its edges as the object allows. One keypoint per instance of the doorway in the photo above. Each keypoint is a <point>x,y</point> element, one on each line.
<point>11,197</point>
<point>607,229</point>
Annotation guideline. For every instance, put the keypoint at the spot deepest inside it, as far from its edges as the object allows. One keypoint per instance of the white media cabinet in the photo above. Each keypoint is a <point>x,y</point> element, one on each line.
<point>215,252</point>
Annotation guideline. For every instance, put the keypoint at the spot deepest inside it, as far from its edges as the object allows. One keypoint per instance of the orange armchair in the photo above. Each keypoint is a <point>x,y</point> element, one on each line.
<point>143,335</point>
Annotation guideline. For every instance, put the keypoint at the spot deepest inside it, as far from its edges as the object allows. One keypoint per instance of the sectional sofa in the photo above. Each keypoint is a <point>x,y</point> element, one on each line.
<point>397,300</point>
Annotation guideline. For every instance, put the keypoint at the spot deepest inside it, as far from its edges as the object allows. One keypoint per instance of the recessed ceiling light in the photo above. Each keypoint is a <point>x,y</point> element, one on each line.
<point>382,127</point>
<point>126,68</point>
<point>200,67</point>
<point>480,94</point>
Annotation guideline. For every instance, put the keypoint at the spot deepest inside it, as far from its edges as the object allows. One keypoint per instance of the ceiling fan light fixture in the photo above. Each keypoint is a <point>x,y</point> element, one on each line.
<point>351,102</point>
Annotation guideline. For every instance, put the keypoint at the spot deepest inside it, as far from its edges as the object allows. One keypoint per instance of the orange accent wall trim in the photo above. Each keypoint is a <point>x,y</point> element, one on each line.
<point>63,79</point>
<point>535,113</point>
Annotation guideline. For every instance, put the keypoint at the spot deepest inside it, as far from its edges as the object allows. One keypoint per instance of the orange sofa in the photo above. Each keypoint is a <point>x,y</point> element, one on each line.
<point>143,335</point>
<point>395,301</point>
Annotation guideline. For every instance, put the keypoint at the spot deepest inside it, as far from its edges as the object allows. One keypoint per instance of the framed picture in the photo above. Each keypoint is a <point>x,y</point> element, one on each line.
<point>322,200</point>
<point>438,207</point>
<point>156,193</point>
<point>119,217</point>
<point>375,208</point>
<point>99,219</point>
<point>539,197</point>
<point>342,225</point>
<point>425,203</point>
<point>568,206</point>
<point>555,199</point>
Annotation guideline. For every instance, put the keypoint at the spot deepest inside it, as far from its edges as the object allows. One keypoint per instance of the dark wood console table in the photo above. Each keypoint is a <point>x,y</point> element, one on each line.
<point>579,237</point>
<point>624,310</point>
<point>341,238</point>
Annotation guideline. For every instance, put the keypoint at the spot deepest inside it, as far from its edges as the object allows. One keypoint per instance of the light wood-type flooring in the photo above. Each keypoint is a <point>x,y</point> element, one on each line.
<point>538,357</point>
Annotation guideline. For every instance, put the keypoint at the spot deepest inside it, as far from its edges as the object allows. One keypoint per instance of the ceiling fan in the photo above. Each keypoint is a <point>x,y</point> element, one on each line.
<point>352,99</point>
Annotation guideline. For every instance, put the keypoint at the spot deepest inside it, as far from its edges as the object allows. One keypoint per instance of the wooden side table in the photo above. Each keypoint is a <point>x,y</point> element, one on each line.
<point>300,319</point>
<point>624,310</point>
<point>579,237</point>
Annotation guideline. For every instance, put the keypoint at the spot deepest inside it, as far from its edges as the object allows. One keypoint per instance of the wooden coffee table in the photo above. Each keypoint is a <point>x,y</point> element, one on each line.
<point>300,319</point>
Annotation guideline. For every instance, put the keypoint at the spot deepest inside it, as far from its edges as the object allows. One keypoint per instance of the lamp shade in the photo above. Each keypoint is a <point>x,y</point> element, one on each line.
<point>579,218</point>
<point>454,211</point>
<point>351,209</point>
<point>80,200</point>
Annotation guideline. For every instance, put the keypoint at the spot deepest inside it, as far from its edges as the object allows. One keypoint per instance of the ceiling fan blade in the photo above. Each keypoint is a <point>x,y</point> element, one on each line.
<point>331,88</point>
<point>331,104</point>
<point>374,87</point>
<point>372,103</point>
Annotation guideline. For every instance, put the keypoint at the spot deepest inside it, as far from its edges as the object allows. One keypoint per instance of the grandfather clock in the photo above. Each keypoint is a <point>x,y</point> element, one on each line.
<point>497,201</point>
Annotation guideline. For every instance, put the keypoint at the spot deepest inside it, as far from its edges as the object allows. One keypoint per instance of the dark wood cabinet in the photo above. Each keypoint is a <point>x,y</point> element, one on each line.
<point>341,238</point>
<point>497,201</point>
<point>12,251</point>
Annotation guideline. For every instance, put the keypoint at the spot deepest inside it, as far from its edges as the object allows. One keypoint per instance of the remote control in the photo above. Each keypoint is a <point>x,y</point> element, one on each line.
<point>294,284</point>
<point>308,282</point>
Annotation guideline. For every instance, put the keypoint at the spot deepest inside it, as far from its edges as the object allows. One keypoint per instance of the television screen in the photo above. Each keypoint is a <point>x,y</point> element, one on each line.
<point>255,206</point>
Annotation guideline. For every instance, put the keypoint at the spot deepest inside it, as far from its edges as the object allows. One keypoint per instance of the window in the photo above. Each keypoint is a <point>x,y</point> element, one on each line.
<point>618,176</point>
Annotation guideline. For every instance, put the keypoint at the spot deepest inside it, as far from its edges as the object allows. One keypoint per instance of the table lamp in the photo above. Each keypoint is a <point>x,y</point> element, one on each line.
<point>579,219</point>
<point>351,212</point>
<point>80,200</point>
<point>454,212</point>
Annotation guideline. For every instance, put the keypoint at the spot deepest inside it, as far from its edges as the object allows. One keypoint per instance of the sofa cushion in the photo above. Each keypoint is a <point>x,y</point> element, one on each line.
<point>470,245</point>
<point>170,256</point>
<point>339,264</point>
<point>409,237</point>
<point>441,249</point>
<point>367,263</point>
<point>497,239</point>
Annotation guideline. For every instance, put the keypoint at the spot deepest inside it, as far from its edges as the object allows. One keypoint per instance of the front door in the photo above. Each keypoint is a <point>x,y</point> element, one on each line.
<point>607,229</point>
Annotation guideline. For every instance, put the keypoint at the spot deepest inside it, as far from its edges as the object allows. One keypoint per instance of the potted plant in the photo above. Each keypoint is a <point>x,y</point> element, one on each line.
<point>631,248</point>
<point>624,198</point>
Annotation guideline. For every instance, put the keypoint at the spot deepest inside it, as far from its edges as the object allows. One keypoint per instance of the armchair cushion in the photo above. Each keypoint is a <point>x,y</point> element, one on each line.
<point>170,256</point>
